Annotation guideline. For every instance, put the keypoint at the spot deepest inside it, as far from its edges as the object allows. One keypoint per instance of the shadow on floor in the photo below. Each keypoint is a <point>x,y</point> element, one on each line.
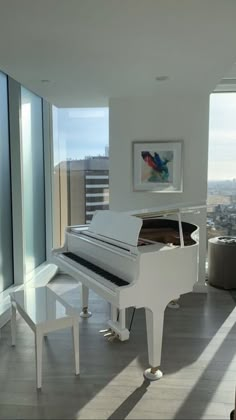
<point>187,332</point>
<point>127,406</point>
<point>224,351</point>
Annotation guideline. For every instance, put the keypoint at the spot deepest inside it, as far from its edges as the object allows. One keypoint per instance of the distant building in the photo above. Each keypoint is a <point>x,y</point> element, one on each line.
<point>80,188</point>
<point>107,151</point>
<point>221,208</point>
<point>216,199</point>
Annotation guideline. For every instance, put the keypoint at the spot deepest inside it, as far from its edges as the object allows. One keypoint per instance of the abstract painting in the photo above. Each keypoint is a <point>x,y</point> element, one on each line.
<point>157,166</point>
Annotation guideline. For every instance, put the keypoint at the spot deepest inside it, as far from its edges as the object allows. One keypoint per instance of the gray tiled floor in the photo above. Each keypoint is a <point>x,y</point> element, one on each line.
<point>198,361</point>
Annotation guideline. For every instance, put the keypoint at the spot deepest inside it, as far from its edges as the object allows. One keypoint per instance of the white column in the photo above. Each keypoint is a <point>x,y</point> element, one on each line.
<point>200,286</point>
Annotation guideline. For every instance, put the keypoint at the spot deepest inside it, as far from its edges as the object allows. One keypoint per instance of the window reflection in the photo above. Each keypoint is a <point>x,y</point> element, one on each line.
<point>6,244</point>
<point>33,180</point>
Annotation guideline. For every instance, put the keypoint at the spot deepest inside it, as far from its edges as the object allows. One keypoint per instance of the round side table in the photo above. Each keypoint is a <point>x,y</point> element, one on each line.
<point>222,262</point>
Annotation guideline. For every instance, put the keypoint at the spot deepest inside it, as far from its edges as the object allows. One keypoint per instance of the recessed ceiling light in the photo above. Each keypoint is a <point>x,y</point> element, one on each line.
<point>161,78</point>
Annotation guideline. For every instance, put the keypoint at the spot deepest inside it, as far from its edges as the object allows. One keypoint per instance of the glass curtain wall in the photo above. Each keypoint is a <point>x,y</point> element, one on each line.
<point>6,249</point>
<point>221,203</point>
<point>81,166</point>
<point>33,180</point>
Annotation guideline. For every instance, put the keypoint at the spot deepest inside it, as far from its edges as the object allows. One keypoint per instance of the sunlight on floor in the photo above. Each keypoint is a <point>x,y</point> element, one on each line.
<point>209,354</point>
<point>139,397</point>
<point>219,338</point>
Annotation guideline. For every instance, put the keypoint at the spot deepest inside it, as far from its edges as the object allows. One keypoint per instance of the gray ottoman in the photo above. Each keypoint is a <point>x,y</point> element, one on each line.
<point>222,262</point>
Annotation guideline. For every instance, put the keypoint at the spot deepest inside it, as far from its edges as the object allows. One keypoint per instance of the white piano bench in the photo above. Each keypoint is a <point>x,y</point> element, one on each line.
<point>44,311</point>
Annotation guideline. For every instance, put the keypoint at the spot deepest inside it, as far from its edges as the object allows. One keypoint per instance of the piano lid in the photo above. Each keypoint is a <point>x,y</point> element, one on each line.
<point>167,210</point>
<point>117,226</point>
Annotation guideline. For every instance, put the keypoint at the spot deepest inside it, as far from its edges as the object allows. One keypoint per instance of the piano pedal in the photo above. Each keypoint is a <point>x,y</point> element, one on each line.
<point>105,331</point>
<point>113,337</point>
<point>108,334</point>
<point>122,333</point>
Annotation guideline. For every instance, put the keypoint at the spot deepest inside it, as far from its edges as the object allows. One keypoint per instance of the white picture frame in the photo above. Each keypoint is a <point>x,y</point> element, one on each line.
<point>157,166</point>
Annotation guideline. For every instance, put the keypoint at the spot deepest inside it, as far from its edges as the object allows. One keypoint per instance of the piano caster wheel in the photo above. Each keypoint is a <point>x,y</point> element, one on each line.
<point>85,313</point>
<point>153,374</point>
<point>173,304</point>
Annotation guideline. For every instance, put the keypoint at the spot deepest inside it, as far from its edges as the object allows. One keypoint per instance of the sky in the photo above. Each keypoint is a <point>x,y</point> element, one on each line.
<point>81,132</point>
<point>222,137</point>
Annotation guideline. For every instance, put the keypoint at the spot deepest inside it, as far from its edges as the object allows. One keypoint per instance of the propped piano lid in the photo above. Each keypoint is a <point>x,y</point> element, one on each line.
<point>167,210</point>
<point>117,226</point>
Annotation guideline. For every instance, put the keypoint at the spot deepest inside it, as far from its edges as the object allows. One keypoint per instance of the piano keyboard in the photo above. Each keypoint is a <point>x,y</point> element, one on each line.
<point>94,268</point>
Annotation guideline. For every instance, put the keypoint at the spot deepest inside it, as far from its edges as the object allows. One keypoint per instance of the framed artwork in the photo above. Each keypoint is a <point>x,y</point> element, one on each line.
<point>157,166</point>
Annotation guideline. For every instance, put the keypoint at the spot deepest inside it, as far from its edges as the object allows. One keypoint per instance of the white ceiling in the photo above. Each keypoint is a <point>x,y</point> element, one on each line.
<point>91,50</point>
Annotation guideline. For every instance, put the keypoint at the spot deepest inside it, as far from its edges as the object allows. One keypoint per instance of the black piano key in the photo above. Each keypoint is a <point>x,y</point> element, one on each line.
<point>105,274</point>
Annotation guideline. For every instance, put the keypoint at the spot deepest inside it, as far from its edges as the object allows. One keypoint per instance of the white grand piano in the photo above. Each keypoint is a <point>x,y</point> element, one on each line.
<point>142,259</point>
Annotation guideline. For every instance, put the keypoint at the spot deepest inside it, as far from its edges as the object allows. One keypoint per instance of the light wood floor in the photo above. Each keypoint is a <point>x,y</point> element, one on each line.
<point>198,361</point>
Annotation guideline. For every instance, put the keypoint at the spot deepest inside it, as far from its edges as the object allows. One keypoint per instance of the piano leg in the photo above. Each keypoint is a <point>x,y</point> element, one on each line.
<point>84,300</point>
<point>154,323</point>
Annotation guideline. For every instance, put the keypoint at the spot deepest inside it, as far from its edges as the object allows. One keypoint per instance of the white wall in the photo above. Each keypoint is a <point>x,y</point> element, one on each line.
<point>164,117</point>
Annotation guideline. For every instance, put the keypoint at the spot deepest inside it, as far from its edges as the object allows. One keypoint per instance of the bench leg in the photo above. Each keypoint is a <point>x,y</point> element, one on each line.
<point>75,333</point>
<point>38,356</point>
<point>13,324</point>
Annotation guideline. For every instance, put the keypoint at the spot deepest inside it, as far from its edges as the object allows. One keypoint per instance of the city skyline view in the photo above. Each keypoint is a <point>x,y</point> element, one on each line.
<point>83,132</point>
<point>80,132</point>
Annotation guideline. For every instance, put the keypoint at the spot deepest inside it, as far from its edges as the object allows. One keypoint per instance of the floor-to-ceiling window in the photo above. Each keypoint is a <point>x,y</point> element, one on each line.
<point>6,252</point>
<point>221,205</point>
<point>33,180</point>
<point>81,166</point>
